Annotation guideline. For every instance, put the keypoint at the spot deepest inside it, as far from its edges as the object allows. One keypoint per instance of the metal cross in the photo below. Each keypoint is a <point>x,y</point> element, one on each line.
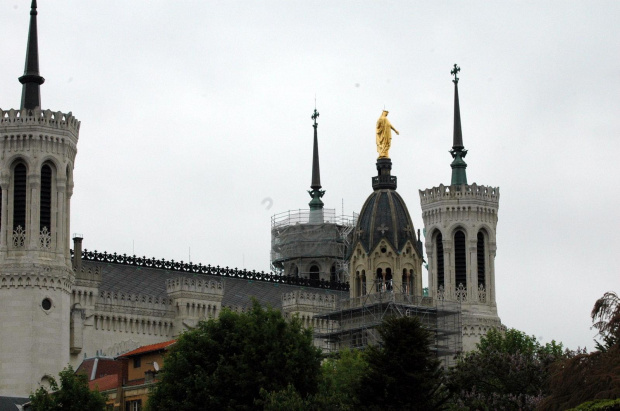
<point>408,230</point>
<point>359,233</point>
<point>315,116</point>
<point>455,73</point>
<point>383,228</point>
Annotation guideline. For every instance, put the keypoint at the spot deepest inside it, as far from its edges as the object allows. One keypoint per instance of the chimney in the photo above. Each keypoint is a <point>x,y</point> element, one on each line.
<point>77,252</point>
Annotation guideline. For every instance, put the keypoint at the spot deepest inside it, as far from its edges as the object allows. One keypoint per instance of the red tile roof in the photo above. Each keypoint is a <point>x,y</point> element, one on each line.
<point>148,348</point>
<point>104,383</point>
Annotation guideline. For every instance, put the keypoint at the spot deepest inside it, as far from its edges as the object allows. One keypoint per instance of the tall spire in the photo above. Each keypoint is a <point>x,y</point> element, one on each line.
<point>316,205</point>
<point>459,175</point>
<point>31,80</point>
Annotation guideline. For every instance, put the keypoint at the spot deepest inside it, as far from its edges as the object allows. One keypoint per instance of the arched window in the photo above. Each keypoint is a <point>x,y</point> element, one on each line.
<point>388,279</point>
<point>439,260</point>
<point>379,280</point>
<point>19,196</point>
<point>332,274</point>
<point>46,198</point>
<point>411,277</point>
<point>363,282</point>
<point>460,259</point>
<point>358,288</point>
<point>481,260</point>
<point>405,282</point>
<point>314,273</point>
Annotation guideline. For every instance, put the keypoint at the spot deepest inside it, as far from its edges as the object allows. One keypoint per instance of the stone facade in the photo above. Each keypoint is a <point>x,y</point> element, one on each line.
<point>460,223</point>
<point>37,151</point>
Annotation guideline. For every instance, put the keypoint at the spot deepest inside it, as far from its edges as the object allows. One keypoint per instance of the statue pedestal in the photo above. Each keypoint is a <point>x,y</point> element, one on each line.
<point>384,179</point>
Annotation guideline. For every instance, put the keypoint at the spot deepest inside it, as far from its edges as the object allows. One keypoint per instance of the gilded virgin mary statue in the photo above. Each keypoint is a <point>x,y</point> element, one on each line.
<point>384,135</point>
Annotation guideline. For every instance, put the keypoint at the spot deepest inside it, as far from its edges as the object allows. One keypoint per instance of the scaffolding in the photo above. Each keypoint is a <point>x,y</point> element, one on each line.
<point>296,242</point>
<point>354,323</point>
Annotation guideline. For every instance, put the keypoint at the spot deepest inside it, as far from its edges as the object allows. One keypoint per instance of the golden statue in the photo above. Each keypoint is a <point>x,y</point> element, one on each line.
<point>384,135</point>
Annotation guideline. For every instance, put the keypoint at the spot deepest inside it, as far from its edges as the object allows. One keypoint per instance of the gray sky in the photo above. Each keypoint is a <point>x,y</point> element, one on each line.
<point>195,112</point>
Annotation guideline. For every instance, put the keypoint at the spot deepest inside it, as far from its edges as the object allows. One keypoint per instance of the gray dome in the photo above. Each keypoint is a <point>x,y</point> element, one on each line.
<point>384,215</point>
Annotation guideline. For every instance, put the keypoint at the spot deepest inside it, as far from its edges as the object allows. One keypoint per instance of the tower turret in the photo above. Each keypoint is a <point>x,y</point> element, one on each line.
<point>460,222</point>
<point>385,254</point>
<point>37,153</point>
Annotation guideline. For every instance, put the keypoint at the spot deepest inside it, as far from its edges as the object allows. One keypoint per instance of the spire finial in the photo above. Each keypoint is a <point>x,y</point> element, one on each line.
<point>458,151</point>
<point>316,193</point>
<point>455,72</point>
<point>31,80</point>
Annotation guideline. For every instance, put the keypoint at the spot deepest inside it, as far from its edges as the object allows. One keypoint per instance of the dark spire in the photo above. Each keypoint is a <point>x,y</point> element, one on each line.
<point>316,193</point>
<point>31,80</point>
<point>459,175</point>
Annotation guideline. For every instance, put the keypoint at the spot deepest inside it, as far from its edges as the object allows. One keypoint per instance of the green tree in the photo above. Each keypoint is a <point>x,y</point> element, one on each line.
<point>339,384</point>
<point>73,395</point>
<point>606,318</point>
<point>403,373</point>
<point>508,370</point>
<point>224,363</point>
<point>594,376</point>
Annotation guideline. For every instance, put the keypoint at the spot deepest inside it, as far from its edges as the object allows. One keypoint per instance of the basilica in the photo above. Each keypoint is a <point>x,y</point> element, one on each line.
<point>61,304</point>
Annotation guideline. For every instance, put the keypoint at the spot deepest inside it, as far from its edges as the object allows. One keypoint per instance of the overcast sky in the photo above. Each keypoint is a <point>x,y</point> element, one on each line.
<point>196,126</point>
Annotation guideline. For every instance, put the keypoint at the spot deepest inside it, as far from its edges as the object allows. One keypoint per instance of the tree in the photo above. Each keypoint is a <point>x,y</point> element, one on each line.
<point>593,376</point>
<point>73,395</point>
<point>508,370</point>
<point>403,373</point>
<point>224,363</point>
<point>339,385</point>
<point>606,318</point>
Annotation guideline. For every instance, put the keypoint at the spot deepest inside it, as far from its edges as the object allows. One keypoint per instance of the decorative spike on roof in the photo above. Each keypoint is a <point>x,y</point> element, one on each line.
<point>316,193</point>
<point>458,152</point>
<point>31,80</point>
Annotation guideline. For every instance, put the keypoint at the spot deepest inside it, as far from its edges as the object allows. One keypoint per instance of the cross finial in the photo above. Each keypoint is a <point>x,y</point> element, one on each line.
<point>455,73</point>
<point>315,115</point>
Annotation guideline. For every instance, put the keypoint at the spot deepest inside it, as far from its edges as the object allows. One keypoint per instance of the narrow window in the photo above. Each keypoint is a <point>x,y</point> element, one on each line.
<point>481,260</point>
<point>388,279</point>
<point>379,280</point>
<point>19,196</point>
<point>363,282</point>
<point>137,362</point>
<point>405,282</point>
<point>460,262</point>
<point>314,273</point>
<point>46,198</point>
<point>358,288</point>
<point>332,274</point>
<point>440,266</point>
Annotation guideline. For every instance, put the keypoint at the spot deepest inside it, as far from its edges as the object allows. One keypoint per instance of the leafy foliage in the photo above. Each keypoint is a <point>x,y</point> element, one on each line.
<point>606,318</point>
<point>594,376</point>
<point>340,382</point>
<point>403,373</point>
<point>224,363</point>
<point>73,395</point>
<point>507,371</point>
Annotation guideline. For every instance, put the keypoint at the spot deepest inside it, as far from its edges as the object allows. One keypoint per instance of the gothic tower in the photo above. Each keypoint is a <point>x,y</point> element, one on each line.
<point>460,223</point>
<point>37,153</point>
<point>385,257</point>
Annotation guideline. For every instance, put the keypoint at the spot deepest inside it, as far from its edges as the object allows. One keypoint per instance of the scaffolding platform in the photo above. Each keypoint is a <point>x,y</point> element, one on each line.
<point>353,324</point>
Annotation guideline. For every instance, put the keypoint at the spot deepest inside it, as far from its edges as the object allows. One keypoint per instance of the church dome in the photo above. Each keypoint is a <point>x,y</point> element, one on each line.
<point>384,214</point>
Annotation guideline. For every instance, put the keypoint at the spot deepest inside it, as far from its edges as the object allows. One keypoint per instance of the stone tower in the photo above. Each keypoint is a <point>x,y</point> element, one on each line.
<point>460,222</point>
<point>311,244</point>
<point>385,253</point>
<point>37,154</point>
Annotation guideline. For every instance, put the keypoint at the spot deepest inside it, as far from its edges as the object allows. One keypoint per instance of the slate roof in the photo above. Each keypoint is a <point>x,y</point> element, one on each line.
<point>384,215</point>
<point>10,403</point>
<point>131,279</point>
